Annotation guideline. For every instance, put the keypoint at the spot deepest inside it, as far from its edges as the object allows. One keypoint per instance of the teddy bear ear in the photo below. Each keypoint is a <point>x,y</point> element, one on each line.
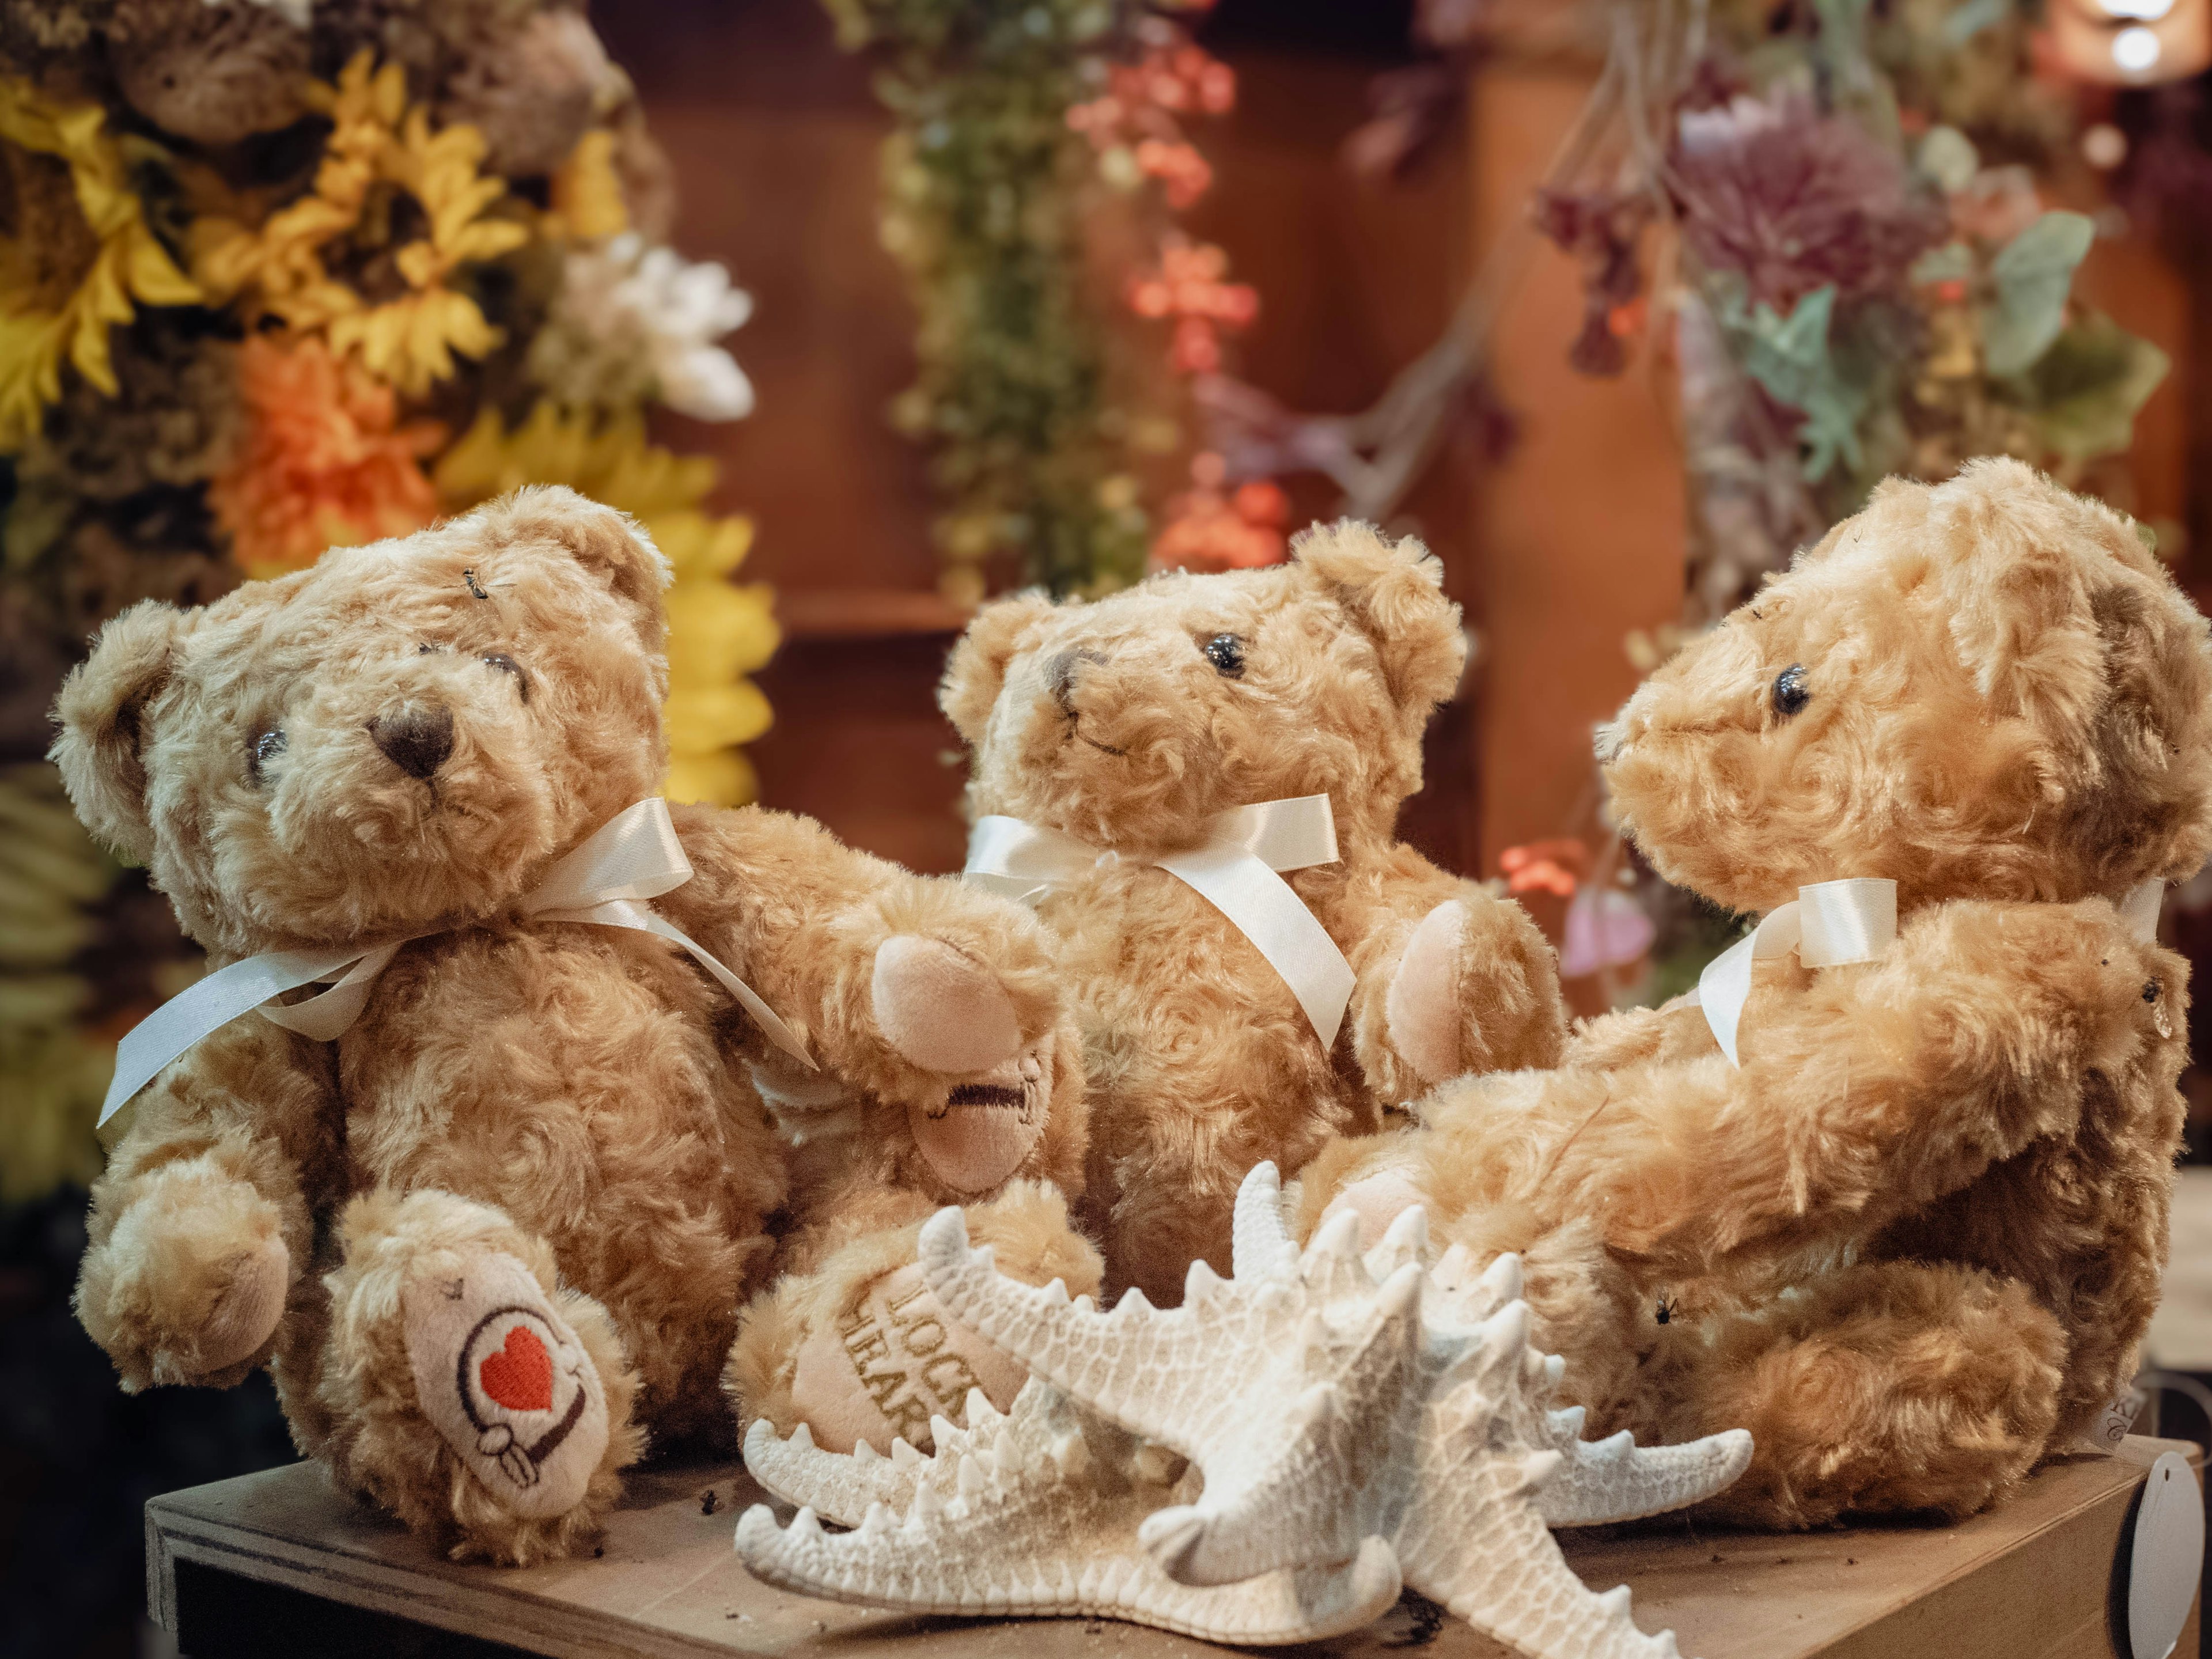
<point>100,713</point>
<point>611,545</point>
<point>2019,557</point>
<point>1394,593</point>
<point>977,668</point>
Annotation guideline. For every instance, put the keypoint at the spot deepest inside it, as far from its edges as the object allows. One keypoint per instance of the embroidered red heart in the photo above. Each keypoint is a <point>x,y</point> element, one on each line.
<point>519,1376</point>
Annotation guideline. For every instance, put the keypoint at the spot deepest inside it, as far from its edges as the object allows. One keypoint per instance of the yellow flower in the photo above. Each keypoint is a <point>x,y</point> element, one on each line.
<point>717,633</point>
<point>38,329</point>
<point>587,199</point>
<point>408,338</point>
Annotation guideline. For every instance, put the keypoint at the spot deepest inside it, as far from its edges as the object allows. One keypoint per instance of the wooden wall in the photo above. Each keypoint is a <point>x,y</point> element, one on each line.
<point>1558,553</point>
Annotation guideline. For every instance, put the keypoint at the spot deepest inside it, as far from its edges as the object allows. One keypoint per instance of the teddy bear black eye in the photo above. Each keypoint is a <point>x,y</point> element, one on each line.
<point>266,748</point>
<point>507,665</point>
<point>1227,653</point>
<point>1790,691</point>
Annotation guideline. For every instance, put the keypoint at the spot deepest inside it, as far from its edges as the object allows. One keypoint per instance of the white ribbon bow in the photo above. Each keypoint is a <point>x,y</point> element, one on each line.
<point>1834,922</point>
<point>634,857</point>
<point>1234,867</point>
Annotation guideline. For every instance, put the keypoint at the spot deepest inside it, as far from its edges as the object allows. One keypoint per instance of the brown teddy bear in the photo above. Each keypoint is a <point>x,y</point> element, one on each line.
<point>563,1181</point>
<point>1142,767</point>
<point>1913,1242</point>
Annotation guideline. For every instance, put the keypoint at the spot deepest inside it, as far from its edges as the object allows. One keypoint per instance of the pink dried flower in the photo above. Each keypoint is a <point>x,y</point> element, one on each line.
<point>1794,200</point>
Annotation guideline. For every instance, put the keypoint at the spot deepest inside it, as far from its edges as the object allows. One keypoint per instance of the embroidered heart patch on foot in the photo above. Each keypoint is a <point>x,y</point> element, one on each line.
<point>503,1379</point>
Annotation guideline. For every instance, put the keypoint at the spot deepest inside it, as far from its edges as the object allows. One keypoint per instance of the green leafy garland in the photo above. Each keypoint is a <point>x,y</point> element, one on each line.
<point>983,205</point>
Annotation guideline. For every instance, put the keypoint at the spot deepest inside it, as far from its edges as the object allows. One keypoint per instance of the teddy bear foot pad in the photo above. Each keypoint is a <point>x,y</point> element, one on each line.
<point>505,1380</point>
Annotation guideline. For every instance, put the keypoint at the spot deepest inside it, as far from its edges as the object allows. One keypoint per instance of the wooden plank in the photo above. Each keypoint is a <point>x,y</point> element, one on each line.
<point>2032,1579</point>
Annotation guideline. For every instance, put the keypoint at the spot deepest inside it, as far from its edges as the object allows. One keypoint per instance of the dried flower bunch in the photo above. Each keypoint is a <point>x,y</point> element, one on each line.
<point>277,277</point>
<point>1860,293</point>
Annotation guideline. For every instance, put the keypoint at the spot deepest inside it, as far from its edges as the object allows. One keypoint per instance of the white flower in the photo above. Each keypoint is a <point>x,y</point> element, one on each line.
<point>632,322</point>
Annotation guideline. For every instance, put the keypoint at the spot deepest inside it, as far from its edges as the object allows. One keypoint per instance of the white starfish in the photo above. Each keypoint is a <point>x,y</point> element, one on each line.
<point>1033,1512</point>
<point>1322,1408</point>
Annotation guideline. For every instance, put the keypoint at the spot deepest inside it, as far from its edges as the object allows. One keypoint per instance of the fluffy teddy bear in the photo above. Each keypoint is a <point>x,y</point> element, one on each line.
<point>1913,1242</point>
<point>499,1229</point>
<point>1121,732</point>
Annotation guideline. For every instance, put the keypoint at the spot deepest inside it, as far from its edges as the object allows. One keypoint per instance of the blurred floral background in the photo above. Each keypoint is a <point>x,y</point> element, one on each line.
<point>1616,302</point>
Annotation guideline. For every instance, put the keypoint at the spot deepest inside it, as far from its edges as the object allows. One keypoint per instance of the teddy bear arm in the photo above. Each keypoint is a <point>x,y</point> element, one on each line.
<point>203,1220</point>
<point>892,978</point>
<point>1447,978</point>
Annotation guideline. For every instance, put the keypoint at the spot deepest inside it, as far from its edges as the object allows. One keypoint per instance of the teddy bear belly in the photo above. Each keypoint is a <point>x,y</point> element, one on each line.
<point>578,1084</point>
<point>1197,1063</point>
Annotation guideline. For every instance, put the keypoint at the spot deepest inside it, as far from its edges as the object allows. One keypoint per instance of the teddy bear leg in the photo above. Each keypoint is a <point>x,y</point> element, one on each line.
<point>467,1391</point>
<point>857,1348</point>
<point>1887,1387</point>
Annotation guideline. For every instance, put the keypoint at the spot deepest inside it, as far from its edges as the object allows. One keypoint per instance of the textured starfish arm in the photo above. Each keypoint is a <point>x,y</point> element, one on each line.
<point>1147,1370</point>
<point>837,1485</point>
<point>1597,1481</point>
<point>1616,1479</point>
<point>1260,1242</point>
<point>1312,1464</point>
<point>1035,1513</point>
<point>1479,1546</point>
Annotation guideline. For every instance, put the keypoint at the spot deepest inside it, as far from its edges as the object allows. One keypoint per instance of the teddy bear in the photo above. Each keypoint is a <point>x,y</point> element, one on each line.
<point>488,1207</point>
<point>1197,781</point>
<point>1913,1240</point>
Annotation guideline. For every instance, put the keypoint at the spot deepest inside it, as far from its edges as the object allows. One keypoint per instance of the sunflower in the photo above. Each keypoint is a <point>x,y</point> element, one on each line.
<point>77,253</point>
<point>382,167</point>
<point>717,633</point>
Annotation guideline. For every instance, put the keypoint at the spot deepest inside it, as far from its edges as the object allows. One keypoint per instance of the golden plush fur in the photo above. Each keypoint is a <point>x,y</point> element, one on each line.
<point>398,741</point>
<point>1914,1242</point>
<point>1110,721</point>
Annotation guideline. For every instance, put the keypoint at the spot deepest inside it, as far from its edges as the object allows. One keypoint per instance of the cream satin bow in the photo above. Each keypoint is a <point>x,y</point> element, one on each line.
<point>1834,922</point>
<point>634,857</point>
<point>1233,867</point>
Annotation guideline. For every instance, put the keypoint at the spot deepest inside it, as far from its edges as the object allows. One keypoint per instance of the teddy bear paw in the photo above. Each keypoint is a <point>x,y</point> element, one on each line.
<point>979,1131</point>
<point>245,1314</point>
<point>896,1359</point>
<point>941,1008</point>
<point>1422,1005</point>
<point>504,1379</point>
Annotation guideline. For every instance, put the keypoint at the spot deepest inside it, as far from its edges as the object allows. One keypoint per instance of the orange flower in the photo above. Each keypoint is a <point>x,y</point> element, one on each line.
<point>324,462</point>
<point>1209,530</point>
<point>1550,866</point>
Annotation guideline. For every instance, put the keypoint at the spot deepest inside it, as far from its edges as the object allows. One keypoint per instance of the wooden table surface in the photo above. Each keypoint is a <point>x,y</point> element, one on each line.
<point>2033,1578</point>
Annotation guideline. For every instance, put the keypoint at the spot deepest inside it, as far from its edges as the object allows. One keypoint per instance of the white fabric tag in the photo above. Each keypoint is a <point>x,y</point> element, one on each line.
<point>2114,1424</point>
<point>633,857</point>
<point>1235,868</point>
<point>2140,907</point>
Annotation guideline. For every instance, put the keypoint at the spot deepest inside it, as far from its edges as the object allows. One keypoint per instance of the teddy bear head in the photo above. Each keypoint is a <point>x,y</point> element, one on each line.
<point>1129,721</point>
<point>1986,688</point>
<point>405,733</point>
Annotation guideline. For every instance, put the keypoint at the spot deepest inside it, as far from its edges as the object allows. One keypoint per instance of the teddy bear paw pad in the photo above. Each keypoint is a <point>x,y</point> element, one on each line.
<point>981,1129</point>
<point>940,1008</point>
<point>248,1310</point>
<point>505,1380</point>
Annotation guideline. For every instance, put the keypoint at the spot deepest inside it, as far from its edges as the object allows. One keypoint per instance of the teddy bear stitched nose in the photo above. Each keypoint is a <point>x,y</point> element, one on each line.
<point>1059,674</point>
<point>418,740</point>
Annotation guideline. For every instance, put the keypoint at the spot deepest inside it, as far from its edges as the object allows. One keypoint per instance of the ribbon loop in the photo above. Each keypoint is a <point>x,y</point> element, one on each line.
<point>633,857</point>
<point>1828,924</point>
<point>1234,868</point>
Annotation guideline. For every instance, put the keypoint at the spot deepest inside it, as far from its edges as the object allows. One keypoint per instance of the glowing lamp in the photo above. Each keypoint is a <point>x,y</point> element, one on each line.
<point>2131,43</point>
